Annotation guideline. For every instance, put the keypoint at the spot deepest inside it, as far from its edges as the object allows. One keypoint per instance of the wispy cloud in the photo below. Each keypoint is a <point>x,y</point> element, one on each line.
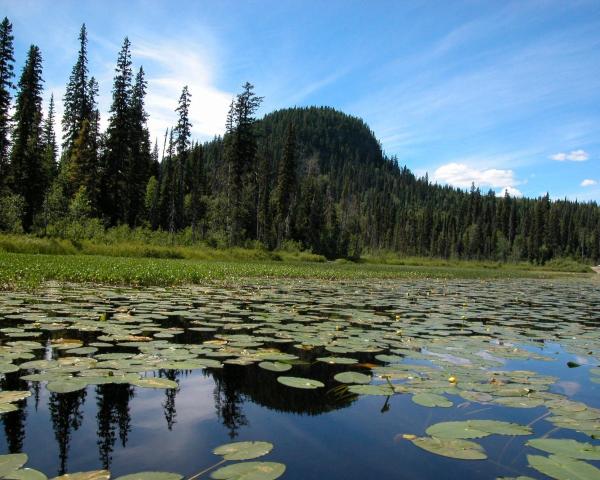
<point>572,156</point>
<point>171,65</point>
<point>588,182</point>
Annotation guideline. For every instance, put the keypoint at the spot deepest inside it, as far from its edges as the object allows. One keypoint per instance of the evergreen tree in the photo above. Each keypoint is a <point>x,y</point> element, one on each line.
<point>240,153</point>
<point>6,76</point>
<point>27,150</point>
<point>286,186</point>
<point>117,148</point>
<point>49,144</point>
<point>140,161</point>
<point>78,101</point>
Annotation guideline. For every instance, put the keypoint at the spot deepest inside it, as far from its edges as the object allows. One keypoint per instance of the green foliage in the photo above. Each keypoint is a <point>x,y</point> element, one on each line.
<point>313,176</point>
<point>12,207</point>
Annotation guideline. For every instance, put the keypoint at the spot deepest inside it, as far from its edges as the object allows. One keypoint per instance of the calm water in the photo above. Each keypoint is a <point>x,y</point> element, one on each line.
<point>455,328</point>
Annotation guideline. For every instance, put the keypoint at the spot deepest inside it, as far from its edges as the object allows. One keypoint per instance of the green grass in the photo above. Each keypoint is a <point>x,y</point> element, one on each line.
<point>18,270</point>
<point>146,249</point>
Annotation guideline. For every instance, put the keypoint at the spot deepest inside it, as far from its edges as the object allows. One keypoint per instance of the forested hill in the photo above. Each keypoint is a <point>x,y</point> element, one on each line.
<point>313,178</point>
<point>349,197</point>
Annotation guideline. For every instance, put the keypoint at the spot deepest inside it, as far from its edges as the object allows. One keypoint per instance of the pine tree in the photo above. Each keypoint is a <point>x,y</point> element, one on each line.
<point>78,101</point>
<point>240,153</point>
<point>140,160</point>
<point>117,149</point>
<point>49,146</point>
<point>26,155</point>
<point>6,76</point>
<point>286,186</point>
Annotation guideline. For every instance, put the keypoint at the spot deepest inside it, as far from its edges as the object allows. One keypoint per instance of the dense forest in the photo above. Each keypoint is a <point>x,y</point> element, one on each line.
<point>312,177</point>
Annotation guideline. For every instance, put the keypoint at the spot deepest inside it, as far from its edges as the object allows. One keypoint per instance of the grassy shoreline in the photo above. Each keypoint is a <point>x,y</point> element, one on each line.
<point>18,270</point>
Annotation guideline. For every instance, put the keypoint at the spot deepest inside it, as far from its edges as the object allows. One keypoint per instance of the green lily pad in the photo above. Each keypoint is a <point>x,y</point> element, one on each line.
<point>275,366</point>
<point>243,450</point>
<point>338,360</point>
<point>431,400</point>
<point>299,382</point>
<point>352,377</point>
<point>566,448</point>
<point>451,447</point>
<point>67,385</point>
<point>476,429</point>
<point>151,476</point>
<point>250,471</point>
<point>11,462</point>
<point>154,382</point>
<point>563,468</point>
<point>383,390</point>
<point>26,474</point>
<point>91,475</point>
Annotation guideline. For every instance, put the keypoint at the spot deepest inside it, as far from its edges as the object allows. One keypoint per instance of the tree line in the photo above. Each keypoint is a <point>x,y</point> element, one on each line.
<point>311,178</point>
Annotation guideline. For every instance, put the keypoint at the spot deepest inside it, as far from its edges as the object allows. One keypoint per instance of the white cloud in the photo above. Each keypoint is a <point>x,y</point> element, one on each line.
<point>170,66</point>
<point>572,156</point>
<point>462,176</point>
<point>588,182</point>
<point>512,191</point>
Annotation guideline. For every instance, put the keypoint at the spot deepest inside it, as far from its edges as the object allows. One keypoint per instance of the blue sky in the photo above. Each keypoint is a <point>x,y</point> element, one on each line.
<point>505,94</point>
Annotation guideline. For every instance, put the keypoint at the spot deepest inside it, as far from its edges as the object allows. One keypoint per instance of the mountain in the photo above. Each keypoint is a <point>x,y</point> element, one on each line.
<point>351,198</point>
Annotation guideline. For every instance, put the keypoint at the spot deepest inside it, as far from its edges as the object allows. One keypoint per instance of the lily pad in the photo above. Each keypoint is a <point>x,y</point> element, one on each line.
<point>476,429</point>
<point>451,447</point>
<point>26,474</point>
<point>352,377</point>
<point>11,462</point>
<point>566,448</point>
<point>250,471</point>
<point>563,468</point>
<point>154,382</point>
<point>383,390</point>
<point>151,476</point>
<point>431,400</point>
<point>91,475</point>
<point>299,382</point>
<point>243,450</point>
<point>275,366</point>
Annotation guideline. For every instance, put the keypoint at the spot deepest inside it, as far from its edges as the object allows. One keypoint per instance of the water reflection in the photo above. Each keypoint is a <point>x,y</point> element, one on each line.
<point>113,418</point>
<point>125,428</point>
<point>66,416</point>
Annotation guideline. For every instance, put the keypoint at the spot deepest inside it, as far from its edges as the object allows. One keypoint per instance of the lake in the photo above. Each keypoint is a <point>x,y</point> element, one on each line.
<point>343,380</point>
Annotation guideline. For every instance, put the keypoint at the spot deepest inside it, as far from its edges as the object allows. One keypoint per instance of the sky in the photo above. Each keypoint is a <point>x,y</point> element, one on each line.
<point>503,94</point>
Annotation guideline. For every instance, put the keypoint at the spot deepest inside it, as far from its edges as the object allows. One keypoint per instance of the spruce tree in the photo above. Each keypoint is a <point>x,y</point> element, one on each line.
<point>6,76</point>
<point>140,160</point>
<point>27,150</point>
<point>286,186</point>
<point>240,153</point>
<point>78,104</point>
<point>117,149</point>
<point>49,146</point>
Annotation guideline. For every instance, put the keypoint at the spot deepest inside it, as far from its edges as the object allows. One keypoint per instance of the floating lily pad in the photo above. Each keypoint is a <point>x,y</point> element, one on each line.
<point>154,382</point>
<point>299,382</point>
<point>566,448</point>
<point>250,471</point>
<point>243,450</point>
<point>275,366</point>
<point>91,475</point>
<point>431,400</point>
<point>151,476</point>
<point>563,468</point>
<point>67,385</point>
<point>338,360</point>
<point>451,447</point>
<point>476,429</point>
<point>26,474</point>
<point>383,390</point>
<point>11,462</point>
<point>352,377</point>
